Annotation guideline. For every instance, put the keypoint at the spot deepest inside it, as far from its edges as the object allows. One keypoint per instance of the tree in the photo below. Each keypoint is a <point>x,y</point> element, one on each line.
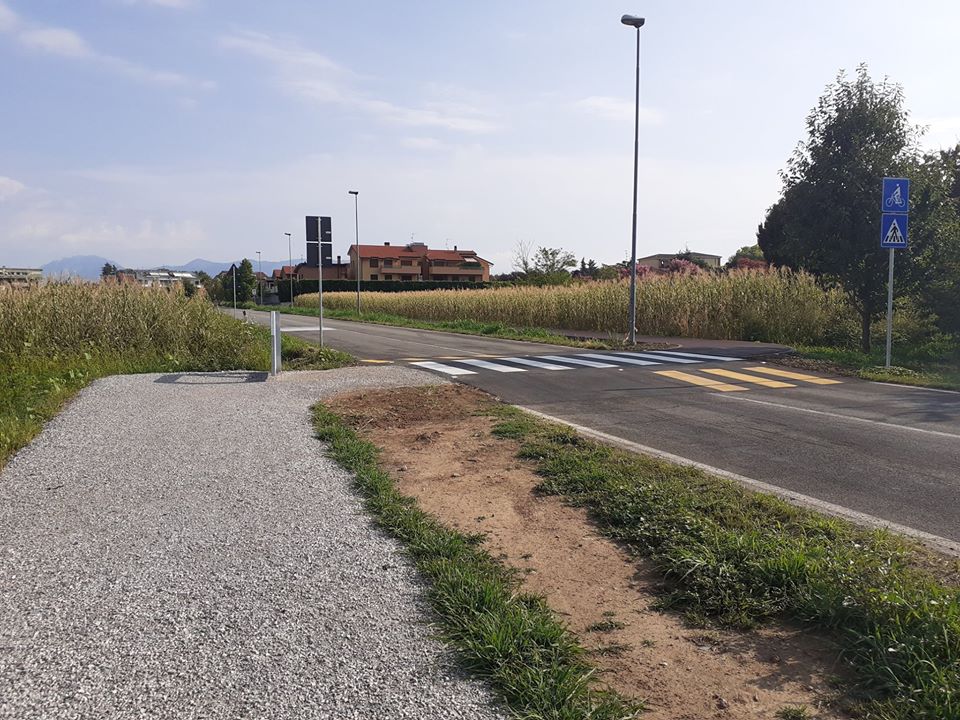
<point>246,281</point>
<point>828,218</point>
<point>189,289</point>
<point>747,252</point>
<point>550,261</point>
<point>521,257</point>
<point>936,187</point>
<point>108,270</point>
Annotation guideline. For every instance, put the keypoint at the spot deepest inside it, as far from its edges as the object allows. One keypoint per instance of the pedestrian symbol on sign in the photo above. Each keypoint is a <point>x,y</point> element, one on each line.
<point>893,231</point>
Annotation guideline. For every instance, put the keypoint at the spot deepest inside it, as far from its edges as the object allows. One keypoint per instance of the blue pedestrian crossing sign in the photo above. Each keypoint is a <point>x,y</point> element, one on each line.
<point>893,231</point>
<point>896,195</point>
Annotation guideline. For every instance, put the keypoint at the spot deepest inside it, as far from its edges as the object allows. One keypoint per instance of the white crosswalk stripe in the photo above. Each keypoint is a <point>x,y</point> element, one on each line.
<point>536,363</point>
<point>658,358</point>
<point>440,367</point>
<point>624,360</point>
<point>486,365</point>
<point>696,356</point>
<point>575,361</point>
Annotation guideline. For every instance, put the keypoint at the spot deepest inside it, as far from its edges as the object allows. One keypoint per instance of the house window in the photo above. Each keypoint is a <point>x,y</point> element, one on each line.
<point>388,262</point>
<point>406,263</point>
<point>407,278</point>
<point>374,262</point>
<point>388,277</point>
<point>374,277</point>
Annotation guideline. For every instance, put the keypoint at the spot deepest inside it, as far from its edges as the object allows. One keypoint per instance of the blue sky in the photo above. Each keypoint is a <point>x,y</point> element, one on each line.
<point>155,131</point>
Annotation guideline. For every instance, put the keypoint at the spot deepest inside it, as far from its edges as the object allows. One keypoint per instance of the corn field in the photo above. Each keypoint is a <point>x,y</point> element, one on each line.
<point>123,321</point>
<point>769,305</point>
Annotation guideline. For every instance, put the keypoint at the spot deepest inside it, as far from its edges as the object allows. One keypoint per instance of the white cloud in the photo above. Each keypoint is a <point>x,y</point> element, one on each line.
<point>8,18</point>
<point>618,109</point>
<point>9,187</point>
<point>56,41</point>
<point>315,77</point>
<point>66,43</point>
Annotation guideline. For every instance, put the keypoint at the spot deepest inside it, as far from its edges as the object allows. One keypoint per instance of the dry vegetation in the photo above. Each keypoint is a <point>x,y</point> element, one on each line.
<point>769,305</point>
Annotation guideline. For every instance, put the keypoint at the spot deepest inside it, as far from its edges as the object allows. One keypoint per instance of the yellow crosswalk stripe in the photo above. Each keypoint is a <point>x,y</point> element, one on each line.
<point>747,378</point>
<point>697,380</point>
<point>795,376</point>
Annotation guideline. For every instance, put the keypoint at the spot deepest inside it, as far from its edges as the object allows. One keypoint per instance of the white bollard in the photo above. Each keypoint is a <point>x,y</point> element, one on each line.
<point>275,359</point>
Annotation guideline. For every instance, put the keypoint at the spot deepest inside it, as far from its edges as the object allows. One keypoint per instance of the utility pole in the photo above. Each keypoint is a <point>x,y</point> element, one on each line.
<point>234,289</point>
<point>635,22</point>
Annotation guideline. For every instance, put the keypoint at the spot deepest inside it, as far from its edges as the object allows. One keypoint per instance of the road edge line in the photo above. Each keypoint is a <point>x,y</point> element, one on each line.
<point>935,542</point>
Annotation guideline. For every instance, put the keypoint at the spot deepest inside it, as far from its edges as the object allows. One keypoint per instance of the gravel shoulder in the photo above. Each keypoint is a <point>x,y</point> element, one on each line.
<point>179,546</point>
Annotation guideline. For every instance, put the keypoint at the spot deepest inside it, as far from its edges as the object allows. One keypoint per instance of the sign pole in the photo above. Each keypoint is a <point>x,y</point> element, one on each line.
<point>894,230</point>
<point>890,308</point>
<point>320,288</point>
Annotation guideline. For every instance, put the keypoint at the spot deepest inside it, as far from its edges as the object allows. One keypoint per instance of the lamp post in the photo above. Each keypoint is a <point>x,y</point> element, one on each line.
<point>259,275</point>
<point>290,251</point>
<point>635,22</point>
<point>356,226</point>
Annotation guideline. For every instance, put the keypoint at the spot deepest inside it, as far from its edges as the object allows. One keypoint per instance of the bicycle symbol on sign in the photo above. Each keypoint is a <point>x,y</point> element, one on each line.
<point>896,199</point>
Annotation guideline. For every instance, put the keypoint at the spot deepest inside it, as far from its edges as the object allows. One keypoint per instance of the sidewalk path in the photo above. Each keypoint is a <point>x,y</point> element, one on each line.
<point>178,546</point>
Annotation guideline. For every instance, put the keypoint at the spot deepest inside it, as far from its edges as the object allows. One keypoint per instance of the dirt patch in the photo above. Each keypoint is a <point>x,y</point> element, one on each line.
<point>438,445</point>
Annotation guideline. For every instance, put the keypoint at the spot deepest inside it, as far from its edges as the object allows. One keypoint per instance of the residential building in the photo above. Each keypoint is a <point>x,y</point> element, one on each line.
<point>662,260</point>
<point>157,278</point>
<point>19,276</point>
<point>415,261</point>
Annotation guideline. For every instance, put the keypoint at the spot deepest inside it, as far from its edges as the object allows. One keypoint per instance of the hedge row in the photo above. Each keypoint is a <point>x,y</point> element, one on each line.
<point>310,286</point>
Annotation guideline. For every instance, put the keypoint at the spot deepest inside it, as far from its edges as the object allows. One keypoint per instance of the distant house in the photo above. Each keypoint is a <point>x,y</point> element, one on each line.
<point>415,261</point>
<point>157,278</point>
<point>20,277</point>
<point>661,261</point>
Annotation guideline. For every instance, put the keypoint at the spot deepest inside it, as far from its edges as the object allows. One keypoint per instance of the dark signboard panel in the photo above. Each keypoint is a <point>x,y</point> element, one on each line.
<point>319,231</point>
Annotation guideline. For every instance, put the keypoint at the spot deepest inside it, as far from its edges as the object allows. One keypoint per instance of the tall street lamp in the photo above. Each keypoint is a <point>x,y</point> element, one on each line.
<point>636,22</point>
<point>356,225</point>
<point>290,251</point>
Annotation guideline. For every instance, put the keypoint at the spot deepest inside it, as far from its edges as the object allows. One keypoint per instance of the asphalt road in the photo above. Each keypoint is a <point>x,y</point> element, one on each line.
<point>885,451</point>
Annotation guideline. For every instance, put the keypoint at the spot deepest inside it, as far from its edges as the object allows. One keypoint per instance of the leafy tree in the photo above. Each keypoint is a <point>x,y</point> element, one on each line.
<point>246,281</point>
<point>747,252</point>
<point>189,289</point>
<point>828,218</point>
<point>108,270</point>
<point>550,261</point>
<point>936,188</point>
<point>608,272</point>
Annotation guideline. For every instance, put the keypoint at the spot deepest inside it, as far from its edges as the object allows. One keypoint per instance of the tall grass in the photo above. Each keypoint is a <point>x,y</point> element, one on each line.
<point>147,326</point>
<point>56,338</point>
<point>769,305</point>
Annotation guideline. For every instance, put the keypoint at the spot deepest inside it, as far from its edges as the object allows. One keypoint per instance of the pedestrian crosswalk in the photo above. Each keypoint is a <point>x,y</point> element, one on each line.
<point>577,361</point>
<point>708,377</point>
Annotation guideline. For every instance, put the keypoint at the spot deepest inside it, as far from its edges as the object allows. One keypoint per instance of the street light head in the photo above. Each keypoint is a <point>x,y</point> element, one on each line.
<point>633,21</point>
<point>353,192</point>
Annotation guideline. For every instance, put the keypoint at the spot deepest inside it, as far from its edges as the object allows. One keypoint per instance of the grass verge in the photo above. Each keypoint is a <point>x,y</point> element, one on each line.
<point>34,389</point>
<point>937,367</point>
<point>465,327</point>
<point>509,638</point>
<point>736,558</point>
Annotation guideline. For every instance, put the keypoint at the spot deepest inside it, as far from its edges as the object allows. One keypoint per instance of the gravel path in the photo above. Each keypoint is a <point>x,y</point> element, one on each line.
<point>178,546</point>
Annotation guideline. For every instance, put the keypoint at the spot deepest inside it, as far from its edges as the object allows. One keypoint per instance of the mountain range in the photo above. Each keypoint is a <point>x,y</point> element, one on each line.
<point>89,267</point>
